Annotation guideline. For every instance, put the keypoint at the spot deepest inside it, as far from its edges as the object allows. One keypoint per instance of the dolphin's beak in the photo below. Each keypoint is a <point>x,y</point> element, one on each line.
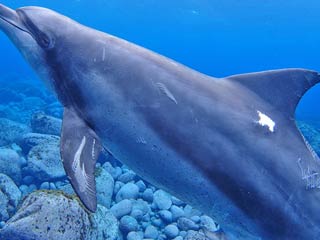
<point>10,18</point>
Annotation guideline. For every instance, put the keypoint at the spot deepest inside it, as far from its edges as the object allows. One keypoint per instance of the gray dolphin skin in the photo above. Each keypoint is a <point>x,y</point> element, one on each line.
<point>229,147</point>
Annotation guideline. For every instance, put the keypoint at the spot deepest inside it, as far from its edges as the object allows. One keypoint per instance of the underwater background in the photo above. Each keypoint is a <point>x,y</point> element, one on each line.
<point>218,38</point>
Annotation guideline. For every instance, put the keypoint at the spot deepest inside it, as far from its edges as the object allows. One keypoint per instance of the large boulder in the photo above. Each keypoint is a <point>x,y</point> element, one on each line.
<point>104,186</point>
<point>11,131</point>
<point>44,162</point>
<point>53,215</point>
<point>45,124</point>
<point>11,163</point>
<point>10,196</point>
<point>30,140</point>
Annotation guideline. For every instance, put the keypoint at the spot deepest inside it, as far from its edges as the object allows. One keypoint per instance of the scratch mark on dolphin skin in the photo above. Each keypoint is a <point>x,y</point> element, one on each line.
<point>264,120</point>
<point>92,150</point>
<point>312,178</point>
<point>141,140</point>
<point>103,54</point>
<point>166,91</point>
<point>79,170</point>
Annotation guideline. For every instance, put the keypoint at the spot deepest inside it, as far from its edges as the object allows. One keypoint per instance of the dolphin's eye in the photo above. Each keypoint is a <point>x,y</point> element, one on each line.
<point>45,41</point>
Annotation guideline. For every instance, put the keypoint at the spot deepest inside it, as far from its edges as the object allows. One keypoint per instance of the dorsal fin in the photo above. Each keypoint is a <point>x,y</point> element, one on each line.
<point>283,89</point>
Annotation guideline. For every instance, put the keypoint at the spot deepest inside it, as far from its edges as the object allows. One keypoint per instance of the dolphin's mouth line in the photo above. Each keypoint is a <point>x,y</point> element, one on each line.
<point>15,25</point>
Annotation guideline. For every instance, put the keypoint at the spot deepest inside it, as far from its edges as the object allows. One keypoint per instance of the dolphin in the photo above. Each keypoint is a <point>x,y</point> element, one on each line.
<point>229,146</point>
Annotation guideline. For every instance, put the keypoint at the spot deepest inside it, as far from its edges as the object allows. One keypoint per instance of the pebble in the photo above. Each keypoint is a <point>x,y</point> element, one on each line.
<point>157,222</point>
<point>208,224</point>
<point>141,185</point>
<point>128,224</point>
<point>177,212</point>
<point>171,231</point>
<point>134,236</point>
<point>122,208</point>
<point>187,224</point>
<point>127,177</point>
<point>162,200</point>
<point>117,187</point>
<point>127,191</point>
<point>45,185</point>
<point>27,180</point>
<point>177,201</point>
<point>178,238</point>
<point>151,232</point>
<point>166,216</point>
<point>148,195</point>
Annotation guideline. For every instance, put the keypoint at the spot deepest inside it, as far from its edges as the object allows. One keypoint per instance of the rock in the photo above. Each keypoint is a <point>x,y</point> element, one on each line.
<point>141,205</point>
<point>11,131</point>
<point>151,232</point>
<point>30,140</point>
<point>45,185</point>
<point>32,187</point>
<point>195,219</point>
<point>166,216</point>
<point>178,238</point>
<point>128,224</point>
<point>52,215</point>
<point>127,191</point>
<point>10,196</point>
<point>127,177</point>
<point>171,231</point>
<point>134,236</point>
<point>162,200</point>
<point>10,164</point>
<point>24,190</point>
<point>4,215</point>
<point>148,195</point>
<point>65,186</point>
<point>141,185</point>
<point>41,123</point>
<point>117,187</point>
<point>122,208</point>
<point>114,172</point>
<point>44,162</point>
<point>190,211</point>
<point>208,224</point>
<point>104,225</point>
<point>176,212</point>
<point>193,235</point>
<point>187,224</point>
<point>28,180</point>
<point>177,201</point>
<point>157,222</point>
<point>104,186</point>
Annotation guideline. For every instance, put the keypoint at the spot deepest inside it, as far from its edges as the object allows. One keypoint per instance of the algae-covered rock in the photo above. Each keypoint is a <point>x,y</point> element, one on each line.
<point>10,164</point>
<point>42,123</point>
<point>10,196</point>
<point>44,162</point>
<point>11,131</point>
<point>30,140</point>
<point>53,215</point>
<point>104,185</point>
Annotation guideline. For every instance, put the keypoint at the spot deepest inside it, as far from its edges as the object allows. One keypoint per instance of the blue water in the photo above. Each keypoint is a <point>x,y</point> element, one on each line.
<point>216,37</point>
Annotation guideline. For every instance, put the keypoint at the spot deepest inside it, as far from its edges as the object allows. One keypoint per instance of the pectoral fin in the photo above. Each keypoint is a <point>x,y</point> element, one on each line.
<point>80,148</point>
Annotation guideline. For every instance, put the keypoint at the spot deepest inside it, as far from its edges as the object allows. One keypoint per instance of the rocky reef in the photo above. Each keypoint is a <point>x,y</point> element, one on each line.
<point>37,201</point>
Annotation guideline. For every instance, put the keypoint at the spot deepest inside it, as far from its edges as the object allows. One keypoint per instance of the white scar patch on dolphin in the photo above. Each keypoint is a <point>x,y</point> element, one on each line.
<point>166,91</point>
<point>92,150</point>
<point>79,170</point>
<point>264,120</point>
